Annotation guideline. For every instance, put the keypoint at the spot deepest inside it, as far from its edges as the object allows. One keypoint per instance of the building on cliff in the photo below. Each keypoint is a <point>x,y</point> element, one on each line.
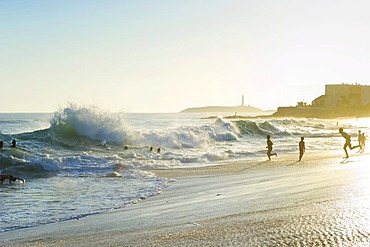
<point>343,95</point>
<point>339,100</point>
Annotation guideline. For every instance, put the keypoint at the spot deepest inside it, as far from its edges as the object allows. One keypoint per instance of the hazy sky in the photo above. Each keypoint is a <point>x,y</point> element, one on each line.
<point>164,56</point>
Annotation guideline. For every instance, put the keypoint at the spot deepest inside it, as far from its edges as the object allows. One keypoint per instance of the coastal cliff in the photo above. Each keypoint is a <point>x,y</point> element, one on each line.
<point>319,112</point>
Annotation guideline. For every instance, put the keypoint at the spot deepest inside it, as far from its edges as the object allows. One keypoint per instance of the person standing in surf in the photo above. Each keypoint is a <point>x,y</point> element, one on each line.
<point>269,148</point>
<point>302,148</point>
<point>363,140</point>
<point>359,138</point>
<point>14,144</point>
<point>348,142</point>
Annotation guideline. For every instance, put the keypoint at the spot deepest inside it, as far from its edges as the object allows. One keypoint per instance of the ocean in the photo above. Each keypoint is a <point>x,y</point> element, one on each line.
<point>75,162</point>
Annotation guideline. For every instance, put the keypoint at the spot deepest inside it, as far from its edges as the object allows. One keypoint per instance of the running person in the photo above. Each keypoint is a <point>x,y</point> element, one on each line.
<point>348,142</point>
<point>269,148</point>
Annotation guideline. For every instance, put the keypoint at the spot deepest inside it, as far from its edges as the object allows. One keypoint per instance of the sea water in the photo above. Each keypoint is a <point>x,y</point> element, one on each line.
<point>75,164</point>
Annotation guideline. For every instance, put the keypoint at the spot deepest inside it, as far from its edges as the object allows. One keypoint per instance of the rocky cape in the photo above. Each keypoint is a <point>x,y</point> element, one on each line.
<point>233,109</point>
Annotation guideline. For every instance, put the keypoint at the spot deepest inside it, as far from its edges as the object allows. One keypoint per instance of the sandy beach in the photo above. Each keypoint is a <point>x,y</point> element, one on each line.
<point>323,200</point>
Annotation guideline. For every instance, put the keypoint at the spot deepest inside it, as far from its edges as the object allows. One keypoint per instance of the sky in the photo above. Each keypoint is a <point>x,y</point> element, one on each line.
<point>168,55</point>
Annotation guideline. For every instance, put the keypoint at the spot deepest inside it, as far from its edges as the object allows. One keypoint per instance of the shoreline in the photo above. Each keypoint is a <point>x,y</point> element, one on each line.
<point>255,201</point>
<point>238,166</point>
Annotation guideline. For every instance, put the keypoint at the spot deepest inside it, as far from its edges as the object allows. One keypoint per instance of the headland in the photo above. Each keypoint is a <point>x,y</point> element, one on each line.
<point>241,108</point>
<point>244,109</point>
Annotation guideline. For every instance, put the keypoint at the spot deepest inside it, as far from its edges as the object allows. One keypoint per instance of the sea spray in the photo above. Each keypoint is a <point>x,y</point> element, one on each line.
<point>92,122</point>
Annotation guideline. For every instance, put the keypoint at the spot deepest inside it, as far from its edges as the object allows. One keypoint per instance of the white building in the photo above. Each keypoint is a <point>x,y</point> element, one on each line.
<point>344,95</point>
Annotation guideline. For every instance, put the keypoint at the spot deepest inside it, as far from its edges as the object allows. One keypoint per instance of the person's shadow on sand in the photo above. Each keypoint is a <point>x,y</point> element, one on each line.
<point>346,161</point>
<point>252,166</point>
<point>292,164</point>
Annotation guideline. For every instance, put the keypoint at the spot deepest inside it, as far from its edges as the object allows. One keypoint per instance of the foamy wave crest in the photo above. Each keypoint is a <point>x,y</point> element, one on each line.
<point>192,136</point>
<point>248,127</point>
<point>90,122</point>
<point>304,127</point>
<point>73,122</point>
<point>25,164</point>
<point>226,130</point>
<point>216,156</point>
<point>252,128</point>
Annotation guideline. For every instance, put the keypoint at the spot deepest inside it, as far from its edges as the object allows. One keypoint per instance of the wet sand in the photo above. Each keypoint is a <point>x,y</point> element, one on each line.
<point>322,200</point>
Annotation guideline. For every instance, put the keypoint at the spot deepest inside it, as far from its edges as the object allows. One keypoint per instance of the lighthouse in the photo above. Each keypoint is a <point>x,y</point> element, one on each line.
<point>243,100</point>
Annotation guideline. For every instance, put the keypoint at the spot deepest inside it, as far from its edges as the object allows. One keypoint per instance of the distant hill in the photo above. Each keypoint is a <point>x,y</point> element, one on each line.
<point>232,109</point>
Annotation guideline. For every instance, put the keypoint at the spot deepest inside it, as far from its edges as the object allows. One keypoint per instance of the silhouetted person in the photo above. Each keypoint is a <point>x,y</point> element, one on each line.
<point>348,141</point>
<point>269,147</point>
<point>14,144</point>
<point>158,150</point>
<point>125,147</point>
<point>302,148</point>
<point>10,178</point>
<point>151,149</point>
<point>359,137</point>
<point>362,145</point>
<point>1,144</point>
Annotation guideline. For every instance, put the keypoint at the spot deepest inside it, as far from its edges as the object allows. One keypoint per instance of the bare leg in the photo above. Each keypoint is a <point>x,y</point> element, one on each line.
<point>345,150</point>
<point>300,156</point>
<point>269,153</point>
<point>354,147</point>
